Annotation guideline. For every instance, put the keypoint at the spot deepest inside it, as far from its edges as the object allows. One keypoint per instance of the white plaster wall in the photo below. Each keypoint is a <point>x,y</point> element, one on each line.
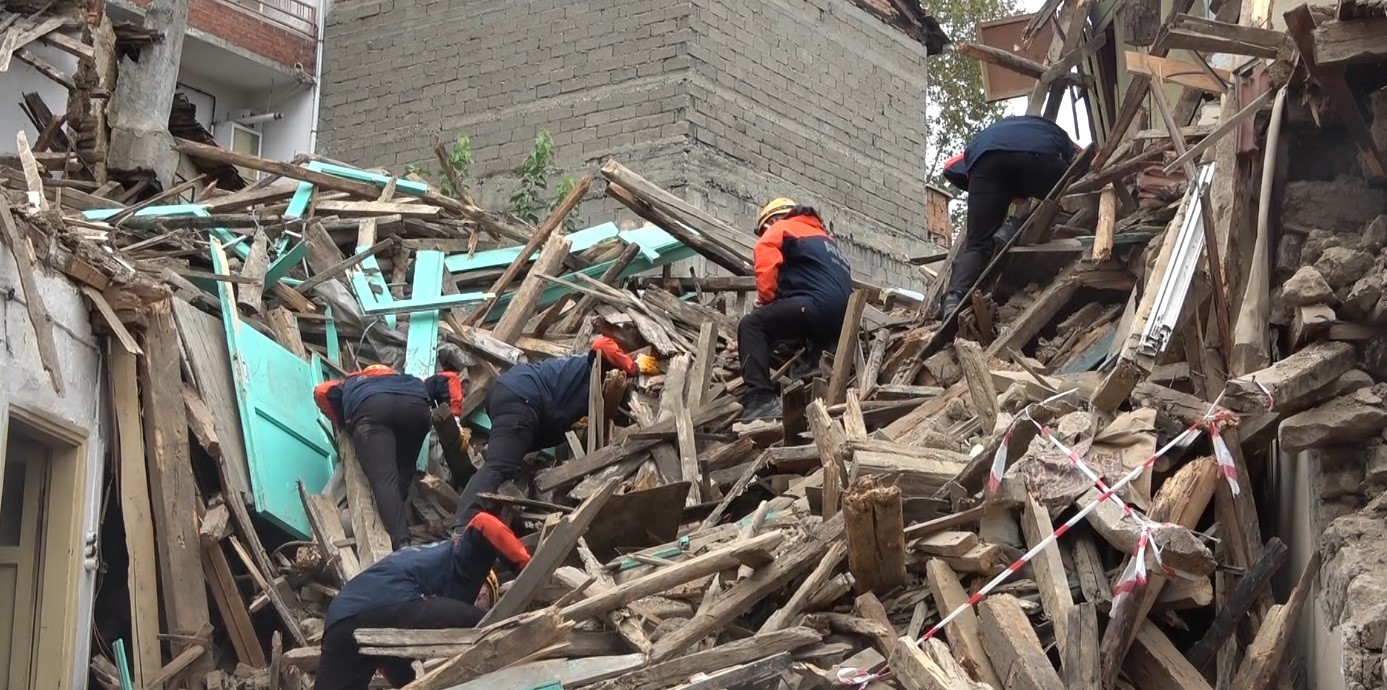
<point>85,385</point>
<point>1295,484</point>
<point>19,79</point>
<point>289,137</point>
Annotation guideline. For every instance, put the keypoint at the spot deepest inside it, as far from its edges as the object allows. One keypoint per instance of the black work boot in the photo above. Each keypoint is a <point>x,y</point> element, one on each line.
<point>1005,233</point>
<point>757,406</point>
<point>951,302</point>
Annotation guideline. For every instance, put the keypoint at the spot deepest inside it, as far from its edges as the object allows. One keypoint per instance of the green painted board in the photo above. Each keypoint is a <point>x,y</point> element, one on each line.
<point>284,443</point>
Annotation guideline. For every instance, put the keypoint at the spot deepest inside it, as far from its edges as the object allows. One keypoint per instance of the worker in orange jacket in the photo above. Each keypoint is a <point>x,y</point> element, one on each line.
<point>803,281</point>
<point>387,415</point>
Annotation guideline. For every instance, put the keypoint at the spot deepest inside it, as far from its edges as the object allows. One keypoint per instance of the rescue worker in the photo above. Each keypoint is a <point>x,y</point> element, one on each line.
<point>387,415</point>
<point>1016,158</point>
<point>438,585</point>
<point>531,407</point>
<point>803,281</point>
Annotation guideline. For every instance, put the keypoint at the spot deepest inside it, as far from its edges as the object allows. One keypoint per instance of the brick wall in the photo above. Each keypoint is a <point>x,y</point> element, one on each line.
<point>250,31</point>
<point>725,103</point>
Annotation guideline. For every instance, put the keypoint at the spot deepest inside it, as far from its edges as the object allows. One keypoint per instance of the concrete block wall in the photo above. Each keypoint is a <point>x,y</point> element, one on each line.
<point>725,103</point>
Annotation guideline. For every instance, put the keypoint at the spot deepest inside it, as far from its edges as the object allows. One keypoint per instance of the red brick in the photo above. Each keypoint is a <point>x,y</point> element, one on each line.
<point>250,31</point>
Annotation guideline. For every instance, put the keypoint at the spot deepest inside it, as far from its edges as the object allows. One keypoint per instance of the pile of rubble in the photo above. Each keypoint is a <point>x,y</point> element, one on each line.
<point>1057,486</point>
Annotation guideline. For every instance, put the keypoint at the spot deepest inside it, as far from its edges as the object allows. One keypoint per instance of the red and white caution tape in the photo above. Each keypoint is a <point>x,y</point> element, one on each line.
<point>999,465</point>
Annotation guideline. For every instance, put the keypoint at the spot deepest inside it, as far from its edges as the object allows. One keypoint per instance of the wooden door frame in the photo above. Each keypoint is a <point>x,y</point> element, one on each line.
<point>62,543</point>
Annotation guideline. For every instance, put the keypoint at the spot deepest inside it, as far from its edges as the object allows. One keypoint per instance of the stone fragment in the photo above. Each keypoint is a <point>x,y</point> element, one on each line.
<point>1342,266</point>
<point>944,368</point>
<point>1375,469</point>
<point>1315,243</point>
<point>1306,287</point>
<point>1288,251</point>
<point>1344,420</point>
<point>1346,203</point>
<point>1374,237</point>
<point>1363,296</point>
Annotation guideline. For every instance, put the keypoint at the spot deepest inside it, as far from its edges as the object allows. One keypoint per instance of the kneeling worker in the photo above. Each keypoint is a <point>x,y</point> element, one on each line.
<point>1016,158</point>
<point>803,281</point>
<point>421,588</point>
<point>531,407</point>
<point>387,414</point>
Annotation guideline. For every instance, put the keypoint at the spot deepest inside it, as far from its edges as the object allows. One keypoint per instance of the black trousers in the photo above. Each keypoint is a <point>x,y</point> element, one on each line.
<point>388,430</point>
<point>514,428</point>
<point>993,181</point>
<point>793,318</point>
<point>341,666</point>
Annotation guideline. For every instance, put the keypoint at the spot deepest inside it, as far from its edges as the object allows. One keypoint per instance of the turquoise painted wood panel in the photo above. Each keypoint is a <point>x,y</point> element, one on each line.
<point>421,341</point>
<point>334,343</point>
<point>496,258</point>
<point>298,204</point>
<point>279,421</point>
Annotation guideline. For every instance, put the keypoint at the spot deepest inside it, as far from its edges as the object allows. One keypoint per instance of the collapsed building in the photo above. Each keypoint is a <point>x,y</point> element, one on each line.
<point>1148,452</point>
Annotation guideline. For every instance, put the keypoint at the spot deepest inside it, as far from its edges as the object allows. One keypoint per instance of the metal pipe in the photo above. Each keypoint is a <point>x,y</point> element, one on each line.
<point>323,7</point>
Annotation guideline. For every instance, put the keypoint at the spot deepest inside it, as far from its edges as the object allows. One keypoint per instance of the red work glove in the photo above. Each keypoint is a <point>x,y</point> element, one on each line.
<point>612,354</point>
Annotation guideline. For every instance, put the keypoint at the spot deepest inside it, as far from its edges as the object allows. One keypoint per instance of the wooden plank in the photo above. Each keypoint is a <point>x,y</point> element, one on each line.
<point>791,560</point>
<point>1351,42</point>
<point>1253,583</point>
<point>502,647</point>
<point>784,615</point>
<point>1264,656</point>
<point>963,517</point>
<point>876,535</point>
<point>740,676</point>
<point>980,387</point>
<point>675,380</point>
<point>705,360</point>
<point>172,490</point>
<point>327,529</point>
<point>1208,36</point>
<point>372,541</point>
<point>828,438</point>
<point>868,607</point>
<point>946,544</point>
<point>1082,667</point>
<point>549,556</point>
<point>200,421</point>
<point>1048,568</point>
<point>345,209</point>
<point>337,268</point>
<point>666,673</point>
<point>204,341</point>
<point>1181,501</point>
<point>1107,222</point>
<point>249,297</point>
<point>235,616</point>
<point>964,633</point>
<point>135,512</point>
<point>1013,646</point>
<point>1155,663</point>
<point>286,330</point>
<point>1038,314</point>
<point>33,299</point>
<point>1178,72</point>
<point>127,341</point>
<point>673,575</point>
<point>930,668</point>
<point>844,354</point>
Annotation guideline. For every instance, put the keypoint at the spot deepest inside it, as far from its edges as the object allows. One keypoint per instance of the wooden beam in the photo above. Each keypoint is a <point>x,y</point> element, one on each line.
<point>33,299</point>
<point>791,560</point>
<point>1181,501</point>
<point>1209,36</point>
<point>964,634</point>
<point>1264,656</point>
<point>1155,663</point>
<point>142,580</point>
<point>784,615</point>
<point>829,439</point>
<point>337,268</point>
<point>1253,583</point>
<point>372,541</point>
<point>1013,646</point>
<point>844,355</point>
<point>1178,72</point>
<point>173,492</point>
<point>754,549</point>
<point>326,524</point>
<point>981,389</point>
<point>1351,42</point>
<point>1107,222</point>
<point>1038,314</point>
<point>504,645</point>
<point>1082,666</point>
<point>676,380</point>
<point>876,535</point>
<point>550,555</point>
<point>1048,568</point>
<point>668,673</point>
<point>234,613</point>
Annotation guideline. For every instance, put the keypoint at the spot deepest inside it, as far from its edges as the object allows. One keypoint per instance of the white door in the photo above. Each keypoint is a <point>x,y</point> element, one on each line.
<point>21,526</point>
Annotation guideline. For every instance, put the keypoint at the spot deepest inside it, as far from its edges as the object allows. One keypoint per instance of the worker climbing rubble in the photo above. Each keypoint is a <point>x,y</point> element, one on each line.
<point>531,407</point>
<point>387,415</point>
<point>1013,159</point>
<point>446,584</point>
<point>803,281</point>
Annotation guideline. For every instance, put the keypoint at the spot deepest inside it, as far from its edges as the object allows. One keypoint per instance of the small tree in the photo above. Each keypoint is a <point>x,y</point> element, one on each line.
<point>527,200</point>
<point>958,110</point>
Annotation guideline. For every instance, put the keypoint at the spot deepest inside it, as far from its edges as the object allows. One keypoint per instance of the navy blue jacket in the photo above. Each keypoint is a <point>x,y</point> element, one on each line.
<point>454,569</point>
<point>1020,133</point>
<point>557,390</point>
<point>340,399</point>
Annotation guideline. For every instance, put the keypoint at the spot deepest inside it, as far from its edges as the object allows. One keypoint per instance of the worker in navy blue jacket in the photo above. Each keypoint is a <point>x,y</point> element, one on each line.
<point>387,414</point>
<point>531,407</point>
<point>421,587</point>
<point>1015,158</point>
<point>803,281</point>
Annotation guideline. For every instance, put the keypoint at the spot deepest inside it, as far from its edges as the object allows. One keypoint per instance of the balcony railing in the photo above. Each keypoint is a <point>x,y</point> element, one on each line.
<point>295,16</point>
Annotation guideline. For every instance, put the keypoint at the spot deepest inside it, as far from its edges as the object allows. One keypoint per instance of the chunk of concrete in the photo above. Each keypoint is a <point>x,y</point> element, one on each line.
<point>1364,296</point>
<point>1306,287</point>
<point>944,368</point>
<point>1294,383</point>
<point>1288,251</point>
<point>1353,589</point>
<point>1315,243</point>
<point>1344,420</point>
<point>1375,468</point>
<point>1346,203</point>
<point>1342,266</point>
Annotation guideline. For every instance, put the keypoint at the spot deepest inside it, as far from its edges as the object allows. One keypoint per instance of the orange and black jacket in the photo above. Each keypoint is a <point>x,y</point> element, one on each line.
<point>340,399</point>
<point>796,257</point>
